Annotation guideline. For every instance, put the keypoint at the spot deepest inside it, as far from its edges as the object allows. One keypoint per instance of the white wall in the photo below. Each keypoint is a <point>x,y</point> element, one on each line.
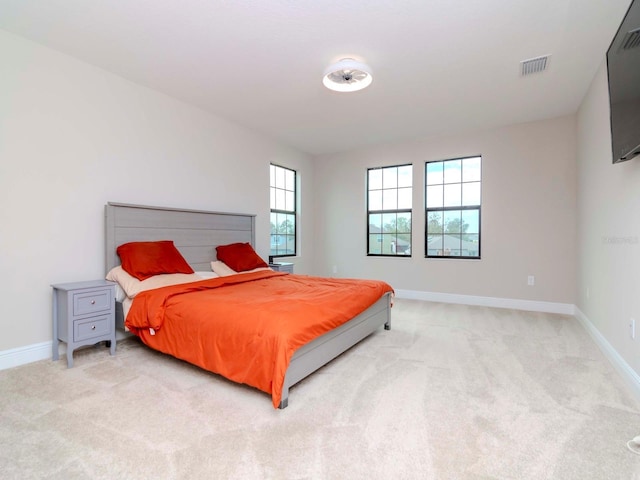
<point>528,214</point>
<point>73,137</point>
<point>608,228</point>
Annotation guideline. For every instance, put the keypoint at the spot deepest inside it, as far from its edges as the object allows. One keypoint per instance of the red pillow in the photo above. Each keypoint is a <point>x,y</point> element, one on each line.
<point>146,259</point>
<point>239,257</point>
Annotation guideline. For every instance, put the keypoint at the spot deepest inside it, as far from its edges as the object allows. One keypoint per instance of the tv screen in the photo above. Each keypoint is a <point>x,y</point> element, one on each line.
<point>623,69</point>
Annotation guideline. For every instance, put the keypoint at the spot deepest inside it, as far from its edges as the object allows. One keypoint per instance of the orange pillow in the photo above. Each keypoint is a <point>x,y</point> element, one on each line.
<point>146,259</point>
<point>239,257</point>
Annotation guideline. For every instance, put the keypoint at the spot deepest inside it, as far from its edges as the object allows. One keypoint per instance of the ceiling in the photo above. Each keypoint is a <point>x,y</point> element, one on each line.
<point>440,66</point>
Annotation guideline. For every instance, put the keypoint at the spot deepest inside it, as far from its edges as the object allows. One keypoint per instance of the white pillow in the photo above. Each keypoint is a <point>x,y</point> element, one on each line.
<point>132,286</point>
<point>224,270</point>
<point>207,275</point>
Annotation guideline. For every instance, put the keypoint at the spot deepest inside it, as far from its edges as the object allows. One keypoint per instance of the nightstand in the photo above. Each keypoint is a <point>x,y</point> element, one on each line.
<point>83,314</point>
<point>282,267</point>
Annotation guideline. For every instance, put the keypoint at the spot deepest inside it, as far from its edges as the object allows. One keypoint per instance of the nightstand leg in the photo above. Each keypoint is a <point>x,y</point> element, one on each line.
<point>55,343</point>
<point>69,357</point>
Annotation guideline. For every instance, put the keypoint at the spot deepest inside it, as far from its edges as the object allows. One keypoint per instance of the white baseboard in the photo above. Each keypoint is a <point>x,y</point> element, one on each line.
<point>629,376</point>
<point>530,305</point>
<point>38,351</point>
<point>42,351</point>
<point>23,355</point>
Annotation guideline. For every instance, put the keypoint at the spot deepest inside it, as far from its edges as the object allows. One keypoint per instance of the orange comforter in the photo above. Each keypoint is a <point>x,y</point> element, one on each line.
<point>247,327</point>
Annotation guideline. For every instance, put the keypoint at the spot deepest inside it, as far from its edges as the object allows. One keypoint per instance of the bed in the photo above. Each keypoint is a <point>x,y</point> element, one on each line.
<point>197,235</point>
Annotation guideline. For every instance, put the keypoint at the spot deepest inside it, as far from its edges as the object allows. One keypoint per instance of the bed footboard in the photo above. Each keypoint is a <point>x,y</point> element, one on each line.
<point>322,350</point>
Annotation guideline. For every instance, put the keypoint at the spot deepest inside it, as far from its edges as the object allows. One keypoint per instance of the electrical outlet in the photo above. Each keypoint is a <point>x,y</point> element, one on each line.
<point>531,280</point>
<point>632,328</point>
<point>335,269</point>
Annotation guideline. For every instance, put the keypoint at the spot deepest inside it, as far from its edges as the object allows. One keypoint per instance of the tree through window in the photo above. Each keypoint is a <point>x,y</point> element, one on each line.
<point>282,190</point>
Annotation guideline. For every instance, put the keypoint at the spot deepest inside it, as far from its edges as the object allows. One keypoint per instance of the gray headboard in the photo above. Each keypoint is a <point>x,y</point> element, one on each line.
<point>196,233</point>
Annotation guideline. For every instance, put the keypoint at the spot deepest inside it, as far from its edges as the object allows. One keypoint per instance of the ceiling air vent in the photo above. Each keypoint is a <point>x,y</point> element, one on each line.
<point>630,40</point>
<point>534,65</point>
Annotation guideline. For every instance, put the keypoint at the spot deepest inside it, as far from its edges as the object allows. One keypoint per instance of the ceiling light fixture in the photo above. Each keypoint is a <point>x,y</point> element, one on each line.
<point>347,75</point>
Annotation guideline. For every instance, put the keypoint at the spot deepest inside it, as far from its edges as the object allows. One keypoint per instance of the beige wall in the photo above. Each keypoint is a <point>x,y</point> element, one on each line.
<point>528,214</point>
<point>73,137</point>
<point>608,228</point>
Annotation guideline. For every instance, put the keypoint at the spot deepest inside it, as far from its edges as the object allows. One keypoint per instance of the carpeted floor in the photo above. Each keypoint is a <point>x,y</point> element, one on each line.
<point>450,392</point>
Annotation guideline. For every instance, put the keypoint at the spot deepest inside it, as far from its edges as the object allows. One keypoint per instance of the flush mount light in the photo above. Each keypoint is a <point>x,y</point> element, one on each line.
<point>347,76</point>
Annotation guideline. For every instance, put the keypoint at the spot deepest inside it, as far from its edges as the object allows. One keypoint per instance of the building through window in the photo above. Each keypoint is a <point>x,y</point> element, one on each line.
<point>389,201</point>
<point>453,202</point>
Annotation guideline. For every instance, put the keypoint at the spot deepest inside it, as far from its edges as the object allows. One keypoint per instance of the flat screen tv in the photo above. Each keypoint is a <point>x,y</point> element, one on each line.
<point>623,69</point>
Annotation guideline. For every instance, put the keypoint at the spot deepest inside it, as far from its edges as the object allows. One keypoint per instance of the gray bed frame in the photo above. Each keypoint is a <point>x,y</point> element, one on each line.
<point>196,233</point>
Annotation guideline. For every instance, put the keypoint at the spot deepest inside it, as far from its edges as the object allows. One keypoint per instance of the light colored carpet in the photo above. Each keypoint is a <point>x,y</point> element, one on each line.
<point>450,392</point>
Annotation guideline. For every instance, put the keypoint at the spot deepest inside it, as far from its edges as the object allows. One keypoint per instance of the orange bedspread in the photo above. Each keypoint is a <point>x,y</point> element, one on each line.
<point>247,327</point>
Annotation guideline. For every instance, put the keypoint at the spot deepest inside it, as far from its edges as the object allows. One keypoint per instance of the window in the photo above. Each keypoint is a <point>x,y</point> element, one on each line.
<point>389,197</point>
<point>452,194</point>
<point>283,198</point>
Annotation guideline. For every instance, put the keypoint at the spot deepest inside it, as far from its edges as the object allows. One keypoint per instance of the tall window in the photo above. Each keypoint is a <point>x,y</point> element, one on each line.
<point>389,198</point>
<point>282,190</point>
<point>452,194</point>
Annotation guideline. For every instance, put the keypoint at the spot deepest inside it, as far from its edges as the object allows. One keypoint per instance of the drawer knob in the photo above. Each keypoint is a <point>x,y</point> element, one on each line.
<point>93,327</point>
<point>93,302</point>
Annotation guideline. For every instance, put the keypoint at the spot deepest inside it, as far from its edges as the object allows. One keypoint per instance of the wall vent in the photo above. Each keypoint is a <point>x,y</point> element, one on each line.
<point>534,65</point>
<point>630,40</point>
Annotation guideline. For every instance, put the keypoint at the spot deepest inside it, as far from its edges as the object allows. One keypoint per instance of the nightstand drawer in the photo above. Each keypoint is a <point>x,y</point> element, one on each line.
<point>91,327</point>
<point>91,302</point>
